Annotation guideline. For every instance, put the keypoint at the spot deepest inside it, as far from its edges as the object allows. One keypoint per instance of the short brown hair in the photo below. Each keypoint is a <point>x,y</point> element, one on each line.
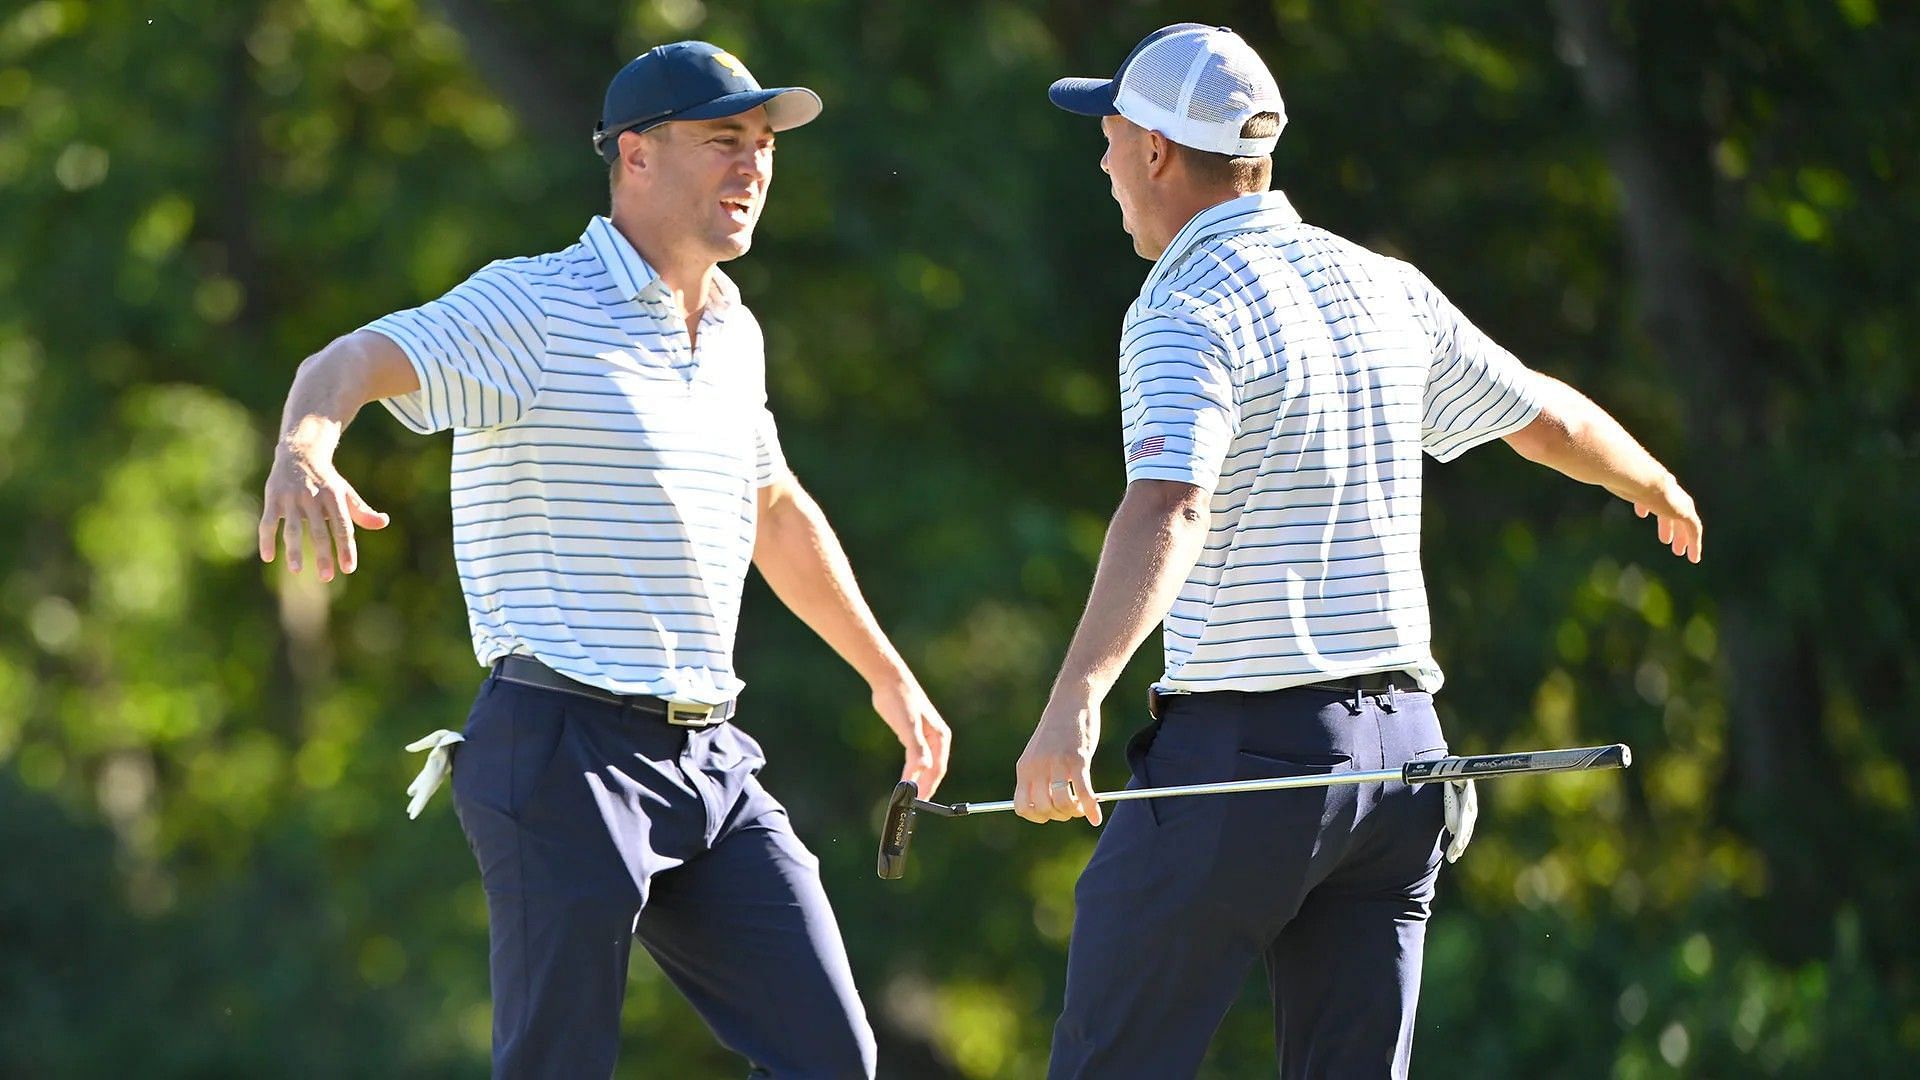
<point>1244,173</point>
<point>617,165</point>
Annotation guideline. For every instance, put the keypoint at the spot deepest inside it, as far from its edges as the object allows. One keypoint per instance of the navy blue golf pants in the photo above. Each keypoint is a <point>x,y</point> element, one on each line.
<point>1329,887</point>
<point>594,825</point>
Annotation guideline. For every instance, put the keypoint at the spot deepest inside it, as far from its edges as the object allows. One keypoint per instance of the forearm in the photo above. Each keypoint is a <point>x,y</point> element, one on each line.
<point>802,560</point>
<point>1155,538</point>
<point>303,489</point>
<point>1575,437</point>
<point>333,384</point>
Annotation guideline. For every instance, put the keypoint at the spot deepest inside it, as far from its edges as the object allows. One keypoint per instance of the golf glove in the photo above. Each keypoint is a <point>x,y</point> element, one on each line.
<point>439,761</point>
<point>1463,806</point>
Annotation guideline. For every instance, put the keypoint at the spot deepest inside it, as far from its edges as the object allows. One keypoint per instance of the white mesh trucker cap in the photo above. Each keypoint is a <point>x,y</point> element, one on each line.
<point>1193,83</point>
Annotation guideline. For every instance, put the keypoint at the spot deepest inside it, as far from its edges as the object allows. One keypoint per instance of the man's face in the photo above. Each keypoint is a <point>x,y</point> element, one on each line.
<point>1125,164</point>
<point>708,179</point>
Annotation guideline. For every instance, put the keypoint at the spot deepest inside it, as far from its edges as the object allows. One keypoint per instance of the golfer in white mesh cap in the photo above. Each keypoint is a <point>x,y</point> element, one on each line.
<point>1279,387</point>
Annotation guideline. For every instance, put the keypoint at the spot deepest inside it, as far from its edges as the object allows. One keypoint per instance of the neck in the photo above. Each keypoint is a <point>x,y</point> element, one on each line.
<point>687,274</point>
<point>1182,206</point>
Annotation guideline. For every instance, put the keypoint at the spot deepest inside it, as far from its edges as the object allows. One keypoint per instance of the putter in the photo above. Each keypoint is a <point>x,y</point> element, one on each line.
<point>905,803</point>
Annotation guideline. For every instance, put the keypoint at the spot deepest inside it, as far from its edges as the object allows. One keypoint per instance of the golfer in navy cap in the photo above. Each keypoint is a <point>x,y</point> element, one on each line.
<point>1280,386</point>
<point>615,470</point>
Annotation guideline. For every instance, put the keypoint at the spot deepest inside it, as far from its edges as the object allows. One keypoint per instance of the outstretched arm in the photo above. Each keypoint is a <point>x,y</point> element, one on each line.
<point>798,554</point>
<point>303,486</point>
<point>1578,438</point>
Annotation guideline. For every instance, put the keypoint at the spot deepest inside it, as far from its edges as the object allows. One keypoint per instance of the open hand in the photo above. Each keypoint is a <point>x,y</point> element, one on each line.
<point>1678,522</point>
<point>301,490</point>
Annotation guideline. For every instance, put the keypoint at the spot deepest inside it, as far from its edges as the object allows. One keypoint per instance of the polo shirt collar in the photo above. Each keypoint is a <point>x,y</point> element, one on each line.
<point>1259,210</point>
<point>635,277</point>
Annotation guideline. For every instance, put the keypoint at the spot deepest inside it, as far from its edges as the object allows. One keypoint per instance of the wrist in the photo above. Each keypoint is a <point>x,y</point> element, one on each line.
<point>312,439</point>
<point>1083,684</point>
<point>888,673</point>
<point>1656,490</point>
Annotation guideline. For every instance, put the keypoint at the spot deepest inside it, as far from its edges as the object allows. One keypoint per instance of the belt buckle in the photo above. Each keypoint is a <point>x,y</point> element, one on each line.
<point>689,714</point>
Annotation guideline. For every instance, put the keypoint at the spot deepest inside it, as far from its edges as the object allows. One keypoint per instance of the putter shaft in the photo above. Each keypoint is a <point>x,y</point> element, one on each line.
<point>1224,787</point>
<point>1616,756</point>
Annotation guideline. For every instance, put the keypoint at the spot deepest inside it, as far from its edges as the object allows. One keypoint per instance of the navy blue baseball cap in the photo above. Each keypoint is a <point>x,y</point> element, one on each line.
<point>1094,97</point>
<point>691,80</point>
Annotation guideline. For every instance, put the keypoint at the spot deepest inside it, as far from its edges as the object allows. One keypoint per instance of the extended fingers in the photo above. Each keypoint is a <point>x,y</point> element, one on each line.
<point>341,520</point>
<point>1686,540</point>
<point>918,768</point>
<point>322,539</point>
<point>290,537</point>
<point>270,518</point>
<point>1681,533</point>
<point>940,745</point>
<point>362,514</point>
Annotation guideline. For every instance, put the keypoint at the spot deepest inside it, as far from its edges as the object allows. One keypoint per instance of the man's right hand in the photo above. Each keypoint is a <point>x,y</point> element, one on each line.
<point>1679,523</point>
<point>304,488</point>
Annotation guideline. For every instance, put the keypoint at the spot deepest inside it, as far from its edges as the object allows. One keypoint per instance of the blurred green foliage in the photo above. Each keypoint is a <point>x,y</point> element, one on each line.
<point>1704,215</point>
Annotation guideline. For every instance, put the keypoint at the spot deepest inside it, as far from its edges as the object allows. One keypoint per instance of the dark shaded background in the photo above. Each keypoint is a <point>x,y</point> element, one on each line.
<point>1701,213</point>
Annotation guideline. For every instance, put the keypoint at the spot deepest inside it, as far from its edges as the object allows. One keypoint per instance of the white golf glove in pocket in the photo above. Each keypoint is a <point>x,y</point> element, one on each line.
<point>1463,806</point>
<point>440,762</point>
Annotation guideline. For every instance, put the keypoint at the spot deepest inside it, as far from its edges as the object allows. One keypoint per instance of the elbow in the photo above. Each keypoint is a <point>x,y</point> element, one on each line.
<point>1565,421</point>
<point>1184,507</point>
<point>337,365</point>
<point>786,511</point>
<point>1536,441</point>
<point>1551,435</point>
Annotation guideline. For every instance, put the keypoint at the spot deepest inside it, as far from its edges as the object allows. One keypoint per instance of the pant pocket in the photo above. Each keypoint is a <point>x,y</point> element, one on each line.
<point>514,741</point>
<point>1160,761</point>
<point>1260,764</point>
<point>1137,749</point>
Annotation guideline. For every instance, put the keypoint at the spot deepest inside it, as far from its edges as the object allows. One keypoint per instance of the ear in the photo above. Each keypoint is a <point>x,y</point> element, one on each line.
<point>635,149</point>
<point>1159,155</point>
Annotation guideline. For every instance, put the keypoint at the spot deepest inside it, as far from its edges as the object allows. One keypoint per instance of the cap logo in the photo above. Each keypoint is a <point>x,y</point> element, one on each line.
<point>731,63</point>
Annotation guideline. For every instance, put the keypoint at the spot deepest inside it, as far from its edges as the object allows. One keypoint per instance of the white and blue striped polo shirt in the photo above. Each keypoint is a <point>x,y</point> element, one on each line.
<point>604,473</point>
<point>1299,377</point>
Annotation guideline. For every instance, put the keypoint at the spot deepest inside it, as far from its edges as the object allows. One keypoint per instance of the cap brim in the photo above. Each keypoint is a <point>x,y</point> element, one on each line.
<point>1088,97</point>
<point>788,107</point>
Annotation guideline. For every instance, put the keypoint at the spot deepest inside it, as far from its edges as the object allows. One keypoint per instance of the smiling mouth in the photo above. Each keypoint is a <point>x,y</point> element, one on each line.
<point>739,208</point>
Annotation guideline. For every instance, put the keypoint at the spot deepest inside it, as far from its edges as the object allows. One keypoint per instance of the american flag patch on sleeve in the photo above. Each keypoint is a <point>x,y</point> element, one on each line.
<point>1146,448</point>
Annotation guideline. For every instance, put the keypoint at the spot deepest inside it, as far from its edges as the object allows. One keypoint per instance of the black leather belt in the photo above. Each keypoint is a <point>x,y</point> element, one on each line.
<point>527,671</point>
<point>1373,682</point>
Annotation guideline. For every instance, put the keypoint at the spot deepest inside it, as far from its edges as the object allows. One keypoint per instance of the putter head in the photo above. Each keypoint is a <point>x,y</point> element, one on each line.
<point>896,832</point>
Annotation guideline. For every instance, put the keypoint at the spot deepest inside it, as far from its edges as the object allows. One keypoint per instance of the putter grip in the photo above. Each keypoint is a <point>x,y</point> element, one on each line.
<point>1617,756</point>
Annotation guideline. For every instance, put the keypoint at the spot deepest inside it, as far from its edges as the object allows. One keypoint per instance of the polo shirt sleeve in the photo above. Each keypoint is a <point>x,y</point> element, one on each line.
<point>478,352</point>
<point>1476,391</point>
<point>770,464</point>
<point>1179,410</point>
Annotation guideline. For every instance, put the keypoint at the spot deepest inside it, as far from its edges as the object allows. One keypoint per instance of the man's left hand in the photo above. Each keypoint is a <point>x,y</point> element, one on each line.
<point>1052,781</point>
<point>922,734</point>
